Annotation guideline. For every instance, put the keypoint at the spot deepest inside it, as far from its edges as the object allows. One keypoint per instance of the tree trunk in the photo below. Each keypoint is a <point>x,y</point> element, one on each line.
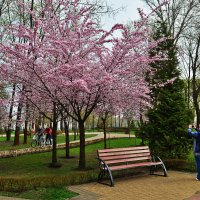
<point>61,122</point>
<point>104,133</point>
<point>33,130</point>
<point>93,121</point>
<point>188,89</point>
<point>128,128</point>
<point>43,121</point>
<point>66,139</point>
<point>54,136</point>
<point>74,128</point>
<point>119,121</point>
<point>115,123</point>
<point>8,132</point>
<point>36,125</point>
<point>26,124</point>
<point>18,124</point>
<point>82,161</point>
<point>25,132</point>
<point>195,97</point>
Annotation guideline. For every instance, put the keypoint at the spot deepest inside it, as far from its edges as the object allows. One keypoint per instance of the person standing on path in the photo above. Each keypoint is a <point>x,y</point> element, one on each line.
<point>195,133</point>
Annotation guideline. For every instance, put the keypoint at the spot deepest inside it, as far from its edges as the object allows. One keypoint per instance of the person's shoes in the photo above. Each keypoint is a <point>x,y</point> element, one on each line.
<point>197,179</point>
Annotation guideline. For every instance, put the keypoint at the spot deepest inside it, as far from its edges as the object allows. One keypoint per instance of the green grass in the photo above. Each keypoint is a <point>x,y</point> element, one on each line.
<point>32,165</point>
<point>27,172</point>
<point>31,171</point>
<point>9,145</point>
<point>58,193</point>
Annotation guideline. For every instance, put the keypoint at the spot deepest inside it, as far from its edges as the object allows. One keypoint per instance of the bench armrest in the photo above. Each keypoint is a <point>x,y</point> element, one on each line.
<point>156,158</point>
<point>102,164</point>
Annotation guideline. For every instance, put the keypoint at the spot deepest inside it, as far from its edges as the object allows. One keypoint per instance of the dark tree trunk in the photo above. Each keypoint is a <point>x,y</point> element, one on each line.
<point>36,124</point>
<point>43,121</point>
<point>128,128</point>
<point>74,128</point>
<point>25,132</point>
<point>67,154</point>
<point>61,122</point>
<point>8,132</point>
<point>50,125</point>
<point>26,124</point>
<point>33,130</point>
<point>54,136</point>
<point>82,161</point>
<point>195,97</point>
<point>115,123</point>
<point>104,133</point>
<point>40,120</point>
<point>18,124</point>
<point>188,89</point>
<point>93,126</point>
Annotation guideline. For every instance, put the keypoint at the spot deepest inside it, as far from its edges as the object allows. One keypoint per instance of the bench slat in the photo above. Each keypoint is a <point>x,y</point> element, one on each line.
<point>120,167</point>
<point>122,149</point>
<point>123,153</point>
<point>128,160</point>
<point>124,156</point>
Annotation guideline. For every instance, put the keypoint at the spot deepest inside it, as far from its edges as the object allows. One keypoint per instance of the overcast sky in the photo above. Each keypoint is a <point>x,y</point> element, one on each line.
<point>129,13</point>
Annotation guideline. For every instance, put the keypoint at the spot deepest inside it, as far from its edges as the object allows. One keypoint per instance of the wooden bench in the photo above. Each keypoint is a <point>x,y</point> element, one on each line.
<point>127,158</point>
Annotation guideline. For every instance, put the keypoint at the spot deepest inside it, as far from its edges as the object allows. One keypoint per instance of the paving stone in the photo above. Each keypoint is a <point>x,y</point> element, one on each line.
<point>177,186</point>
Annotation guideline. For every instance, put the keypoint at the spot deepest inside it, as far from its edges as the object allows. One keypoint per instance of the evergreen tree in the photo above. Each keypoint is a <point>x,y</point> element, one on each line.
<point>166,130</point>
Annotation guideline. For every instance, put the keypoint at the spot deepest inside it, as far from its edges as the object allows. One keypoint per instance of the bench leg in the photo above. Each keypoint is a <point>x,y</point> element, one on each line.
<point>111,178</point>
<point>100,176</point>
<point>108,173</point>
<point>164,170</point>
<point>153,168</point>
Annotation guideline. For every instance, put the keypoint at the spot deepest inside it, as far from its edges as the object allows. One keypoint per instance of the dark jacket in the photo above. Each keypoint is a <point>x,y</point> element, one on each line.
<point>196,135</point>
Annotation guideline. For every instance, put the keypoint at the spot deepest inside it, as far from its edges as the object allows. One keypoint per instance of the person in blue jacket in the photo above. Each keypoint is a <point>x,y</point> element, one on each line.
<point>195,133</point>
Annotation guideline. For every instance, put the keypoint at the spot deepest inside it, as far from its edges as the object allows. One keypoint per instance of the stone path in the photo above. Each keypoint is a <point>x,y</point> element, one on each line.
<point>178,186</point>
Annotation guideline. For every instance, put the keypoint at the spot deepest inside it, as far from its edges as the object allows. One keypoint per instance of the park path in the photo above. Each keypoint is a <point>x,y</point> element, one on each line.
<point>177,186</point>
<point>97,138</point>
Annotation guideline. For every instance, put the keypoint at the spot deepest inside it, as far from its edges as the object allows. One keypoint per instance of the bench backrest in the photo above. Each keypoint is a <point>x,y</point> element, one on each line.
<point>122,155</point>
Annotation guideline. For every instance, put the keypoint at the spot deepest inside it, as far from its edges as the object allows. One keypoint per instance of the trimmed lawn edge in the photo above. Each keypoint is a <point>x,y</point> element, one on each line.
<point>24,184</point>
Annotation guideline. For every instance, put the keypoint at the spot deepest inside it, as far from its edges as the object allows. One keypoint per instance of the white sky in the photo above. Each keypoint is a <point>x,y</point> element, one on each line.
<point>128,13</point>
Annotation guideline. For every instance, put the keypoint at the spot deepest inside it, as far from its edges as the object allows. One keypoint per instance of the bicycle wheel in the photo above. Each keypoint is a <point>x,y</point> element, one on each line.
<point>34,143</point>
<point>42,142</point>
<point>48,141</point>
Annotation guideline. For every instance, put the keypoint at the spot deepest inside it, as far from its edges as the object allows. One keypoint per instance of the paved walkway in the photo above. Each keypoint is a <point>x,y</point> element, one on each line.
<point>177,186</point>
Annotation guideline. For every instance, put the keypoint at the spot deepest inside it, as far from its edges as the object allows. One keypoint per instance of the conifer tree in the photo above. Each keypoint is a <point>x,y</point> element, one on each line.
<point>166,130</point>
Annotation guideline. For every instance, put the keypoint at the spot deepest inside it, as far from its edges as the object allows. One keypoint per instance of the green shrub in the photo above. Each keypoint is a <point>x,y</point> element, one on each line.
<point>24,184</point>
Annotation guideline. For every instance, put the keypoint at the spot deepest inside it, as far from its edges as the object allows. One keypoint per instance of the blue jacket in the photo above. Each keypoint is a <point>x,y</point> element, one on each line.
<point>196,136</point>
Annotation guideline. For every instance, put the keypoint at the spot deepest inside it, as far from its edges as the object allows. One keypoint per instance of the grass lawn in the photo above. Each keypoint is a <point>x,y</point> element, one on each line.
<point>33,179</point>
<point>30,176</point>
<point>9,145</point>
<point>32,165</point>
<point>50,193</point>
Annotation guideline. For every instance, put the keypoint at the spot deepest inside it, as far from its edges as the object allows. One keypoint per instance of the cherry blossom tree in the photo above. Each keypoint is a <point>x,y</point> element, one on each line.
<point>66,58</point>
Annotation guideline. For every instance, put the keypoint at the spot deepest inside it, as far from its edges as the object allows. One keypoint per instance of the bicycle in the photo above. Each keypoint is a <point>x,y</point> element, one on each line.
<point>37,141</point>
<point>48,141</point>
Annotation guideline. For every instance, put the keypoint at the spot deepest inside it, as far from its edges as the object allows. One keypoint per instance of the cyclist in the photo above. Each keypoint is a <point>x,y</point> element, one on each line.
<point>41,134</point>
<point>48,132</point>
